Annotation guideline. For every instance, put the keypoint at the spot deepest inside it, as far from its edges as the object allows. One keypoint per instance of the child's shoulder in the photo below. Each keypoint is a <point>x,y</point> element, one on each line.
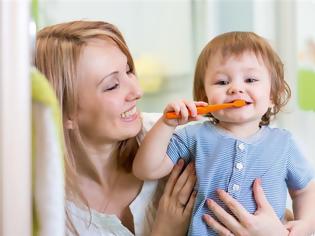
<point>276,131</point>
<point>195,127</point>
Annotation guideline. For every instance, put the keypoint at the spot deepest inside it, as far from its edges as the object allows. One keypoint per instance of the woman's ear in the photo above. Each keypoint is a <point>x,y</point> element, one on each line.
<point>68,124</point>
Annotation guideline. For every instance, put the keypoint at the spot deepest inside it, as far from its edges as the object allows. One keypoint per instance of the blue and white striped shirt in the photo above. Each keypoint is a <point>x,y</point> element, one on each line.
<point>232,164</point>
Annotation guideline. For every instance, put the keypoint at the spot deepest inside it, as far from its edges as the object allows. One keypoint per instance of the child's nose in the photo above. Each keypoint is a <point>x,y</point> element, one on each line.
<point>235,89</point>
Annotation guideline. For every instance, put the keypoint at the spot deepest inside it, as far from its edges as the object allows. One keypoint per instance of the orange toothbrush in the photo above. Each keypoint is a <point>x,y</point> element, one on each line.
<point>210,108</point>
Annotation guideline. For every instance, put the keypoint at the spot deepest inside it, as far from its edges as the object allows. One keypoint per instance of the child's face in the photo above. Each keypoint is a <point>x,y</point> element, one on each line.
<point>239,77</point>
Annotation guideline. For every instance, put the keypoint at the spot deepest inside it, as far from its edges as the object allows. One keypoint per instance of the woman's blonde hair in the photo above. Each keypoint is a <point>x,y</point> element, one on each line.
<point>235,44</point>
<point>58,49</point>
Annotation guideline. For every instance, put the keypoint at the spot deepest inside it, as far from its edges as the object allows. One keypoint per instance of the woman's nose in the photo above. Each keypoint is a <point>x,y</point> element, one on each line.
<point>134,90</point>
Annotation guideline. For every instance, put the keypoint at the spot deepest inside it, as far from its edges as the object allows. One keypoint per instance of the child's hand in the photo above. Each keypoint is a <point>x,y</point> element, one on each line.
<point>186,109</point>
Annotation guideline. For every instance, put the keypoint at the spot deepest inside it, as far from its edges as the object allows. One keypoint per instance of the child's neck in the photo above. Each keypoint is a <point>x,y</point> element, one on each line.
<point>244,130</point>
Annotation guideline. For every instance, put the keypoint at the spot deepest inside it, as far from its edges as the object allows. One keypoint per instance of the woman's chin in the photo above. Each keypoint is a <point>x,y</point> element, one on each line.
<point>131,129</point>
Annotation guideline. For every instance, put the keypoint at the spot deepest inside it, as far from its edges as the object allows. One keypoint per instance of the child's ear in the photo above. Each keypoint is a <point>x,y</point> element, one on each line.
<point>68,124</point>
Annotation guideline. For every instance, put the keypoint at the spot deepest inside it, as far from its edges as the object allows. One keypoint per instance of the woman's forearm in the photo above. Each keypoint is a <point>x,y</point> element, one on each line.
<point>304,206</point>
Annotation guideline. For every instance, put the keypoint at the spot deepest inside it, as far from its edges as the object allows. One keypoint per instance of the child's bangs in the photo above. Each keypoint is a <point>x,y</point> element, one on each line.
<point>237,44</point>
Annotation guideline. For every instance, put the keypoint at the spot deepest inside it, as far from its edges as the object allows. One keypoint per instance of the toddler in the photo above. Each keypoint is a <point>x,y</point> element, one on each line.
<point>236,145</point>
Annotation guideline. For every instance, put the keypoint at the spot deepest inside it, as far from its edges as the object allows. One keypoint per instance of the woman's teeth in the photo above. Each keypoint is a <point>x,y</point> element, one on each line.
<point>129,113</point>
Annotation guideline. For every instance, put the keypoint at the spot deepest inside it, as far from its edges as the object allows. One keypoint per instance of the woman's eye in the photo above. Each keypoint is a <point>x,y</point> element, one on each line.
<point>111,87</point>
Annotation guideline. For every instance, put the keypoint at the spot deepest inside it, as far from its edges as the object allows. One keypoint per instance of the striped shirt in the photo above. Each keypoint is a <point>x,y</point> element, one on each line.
<point>232,164</point>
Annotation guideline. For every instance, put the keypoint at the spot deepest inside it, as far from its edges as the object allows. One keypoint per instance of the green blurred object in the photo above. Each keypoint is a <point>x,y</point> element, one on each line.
<point>35,15</point>
<point>306,89</point>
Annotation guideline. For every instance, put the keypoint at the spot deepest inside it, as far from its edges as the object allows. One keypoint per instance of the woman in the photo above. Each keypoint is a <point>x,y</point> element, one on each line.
<point>92,71</point>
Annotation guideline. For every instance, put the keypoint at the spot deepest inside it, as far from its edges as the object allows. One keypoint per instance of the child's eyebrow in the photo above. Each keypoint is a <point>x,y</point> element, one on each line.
<point>219,71</point>
<point>251,69</point>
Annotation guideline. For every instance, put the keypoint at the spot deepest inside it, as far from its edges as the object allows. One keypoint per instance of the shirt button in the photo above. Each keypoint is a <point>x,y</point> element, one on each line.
<point>236,187</point>
<point>239,166</point>
<point>241,146</point>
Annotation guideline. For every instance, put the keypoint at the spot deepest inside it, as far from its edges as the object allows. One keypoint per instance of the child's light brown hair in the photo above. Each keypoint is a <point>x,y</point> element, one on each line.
<point>235,44</point>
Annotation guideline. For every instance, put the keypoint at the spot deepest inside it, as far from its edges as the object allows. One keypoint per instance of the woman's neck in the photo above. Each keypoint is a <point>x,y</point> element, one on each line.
<point>98,162</point>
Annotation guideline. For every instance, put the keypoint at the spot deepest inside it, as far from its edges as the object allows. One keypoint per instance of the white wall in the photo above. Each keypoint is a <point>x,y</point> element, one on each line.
<point>15,161</point>
<point>158,28</point>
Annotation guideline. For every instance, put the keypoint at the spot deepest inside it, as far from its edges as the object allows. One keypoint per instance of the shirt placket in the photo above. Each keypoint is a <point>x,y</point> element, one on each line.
<point>238,172</point>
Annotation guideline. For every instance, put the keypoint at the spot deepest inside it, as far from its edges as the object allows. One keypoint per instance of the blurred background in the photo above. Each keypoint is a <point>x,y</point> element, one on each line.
<point>165,37</point>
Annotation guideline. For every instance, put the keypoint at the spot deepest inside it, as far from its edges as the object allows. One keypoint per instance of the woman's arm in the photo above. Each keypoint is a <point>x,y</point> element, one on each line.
<point>263,222</point>
<point>177,201</point>
<point>304,211</point>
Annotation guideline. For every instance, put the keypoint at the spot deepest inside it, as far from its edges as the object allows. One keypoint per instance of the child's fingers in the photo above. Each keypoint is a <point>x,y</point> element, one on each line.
<point>173,106</point>
<point>183,112</point>
<point>191,106</point>
<point>186,110</point>
<point>201,104</point>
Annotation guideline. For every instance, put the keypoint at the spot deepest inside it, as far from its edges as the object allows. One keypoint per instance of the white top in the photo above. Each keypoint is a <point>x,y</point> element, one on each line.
<point>143,208</point>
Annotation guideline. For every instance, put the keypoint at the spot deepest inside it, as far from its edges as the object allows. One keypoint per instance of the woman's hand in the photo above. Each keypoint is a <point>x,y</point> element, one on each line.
<point>298,228</point>
<point>176,203</point>
<point>263,222</point>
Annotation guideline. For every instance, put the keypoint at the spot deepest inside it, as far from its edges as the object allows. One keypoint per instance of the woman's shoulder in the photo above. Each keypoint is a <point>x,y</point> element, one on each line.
<point>148,120</point>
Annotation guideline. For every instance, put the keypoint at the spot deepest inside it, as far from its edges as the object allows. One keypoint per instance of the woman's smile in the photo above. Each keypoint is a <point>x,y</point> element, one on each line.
<point>130,115</point>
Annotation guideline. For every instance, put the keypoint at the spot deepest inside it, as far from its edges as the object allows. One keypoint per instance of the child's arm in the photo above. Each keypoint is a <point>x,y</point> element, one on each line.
<point>304,210</point>
<point>151,161</point>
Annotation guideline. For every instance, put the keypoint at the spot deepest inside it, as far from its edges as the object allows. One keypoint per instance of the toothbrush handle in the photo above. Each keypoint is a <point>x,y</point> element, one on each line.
<point>201,110</point>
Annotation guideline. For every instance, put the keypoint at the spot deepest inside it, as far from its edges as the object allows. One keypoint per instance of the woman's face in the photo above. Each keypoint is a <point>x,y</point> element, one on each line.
<point>108,93</point>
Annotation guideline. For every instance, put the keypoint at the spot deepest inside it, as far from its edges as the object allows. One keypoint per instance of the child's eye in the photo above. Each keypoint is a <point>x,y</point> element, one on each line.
<point>222,82</point>
<point>250,80</point>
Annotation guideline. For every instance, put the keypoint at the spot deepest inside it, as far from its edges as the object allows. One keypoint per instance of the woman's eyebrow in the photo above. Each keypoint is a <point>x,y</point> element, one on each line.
<point>105,77</point>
